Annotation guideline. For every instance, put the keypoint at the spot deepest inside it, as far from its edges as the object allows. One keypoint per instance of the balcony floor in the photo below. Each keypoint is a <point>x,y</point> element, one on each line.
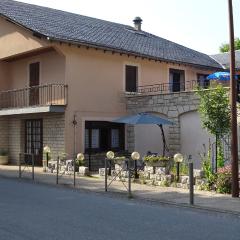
<point>31,110</point>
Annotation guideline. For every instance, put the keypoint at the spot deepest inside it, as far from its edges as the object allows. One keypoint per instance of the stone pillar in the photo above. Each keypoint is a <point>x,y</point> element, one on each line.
<point>130,138</point>
<point>4,133</point>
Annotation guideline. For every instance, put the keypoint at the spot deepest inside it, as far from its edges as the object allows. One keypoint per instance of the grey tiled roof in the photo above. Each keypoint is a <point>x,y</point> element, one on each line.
<point>224,59</point>
<point>64,26</point>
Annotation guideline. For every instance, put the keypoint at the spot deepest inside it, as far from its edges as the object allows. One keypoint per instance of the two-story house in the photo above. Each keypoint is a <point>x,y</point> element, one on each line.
<point>63,78</point>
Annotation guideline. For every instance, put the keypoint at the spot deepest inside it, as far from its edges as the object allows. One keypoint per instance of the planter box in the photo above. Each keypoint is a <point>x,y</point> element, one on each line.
<point>3,160</point>
<point>83,171</point>
<point>157,164</point>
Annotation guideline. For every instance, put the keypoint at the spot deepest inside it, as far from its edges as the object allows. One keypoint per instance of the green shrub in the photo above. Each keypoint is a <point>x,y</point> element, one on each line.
<point>224,180</point>
<point>3,152</point>
<point>220,156</point>
<point>209,175</point>
<point>183,169</point>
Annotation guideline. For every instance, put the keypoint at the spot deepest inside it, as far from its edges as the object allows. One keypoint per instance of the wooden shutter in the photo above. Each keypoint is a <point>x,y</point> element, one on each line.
<point>131,78</point>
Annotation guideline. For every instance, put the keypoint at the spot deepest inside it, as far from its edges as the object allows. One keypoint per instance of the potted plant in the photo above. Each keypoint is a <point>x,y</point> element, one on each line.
<point>3,157</point>
<point>156,161</point>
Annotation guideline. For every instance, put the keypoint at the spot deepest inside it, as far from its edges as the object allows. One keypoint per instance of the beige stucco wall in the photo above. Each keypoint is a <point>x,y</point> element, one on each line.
<point>194,139</point>
<point>52,70</point>
<point>15,40</point>
<point>4,76</point>
<point>149,138</point>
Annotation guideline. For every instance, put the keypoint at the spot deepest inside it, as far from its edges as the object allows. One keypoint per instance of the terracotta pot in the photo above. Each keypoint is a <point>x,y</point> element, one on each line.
<point>3,160</point>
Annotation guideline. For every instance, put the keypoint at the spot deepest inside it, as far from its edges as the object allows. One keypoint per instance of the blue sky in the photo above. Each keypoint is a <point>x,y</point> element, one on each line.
<point>198,24</point>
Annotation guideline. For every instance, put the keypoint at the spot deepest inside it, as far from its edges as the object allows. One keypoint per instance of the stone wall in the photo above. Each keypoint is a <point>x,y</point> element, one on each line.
<point>4,133</point>
<point>15,141</point>
<point>13,134</point>
<point>170,104</point>
<point>53,134</point>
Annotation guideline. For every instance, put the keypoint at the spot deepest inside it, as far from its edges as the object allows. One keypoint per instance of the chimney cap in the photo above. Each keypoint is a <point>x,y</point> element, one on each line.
<point>137,23</point>
<point>137,20</point>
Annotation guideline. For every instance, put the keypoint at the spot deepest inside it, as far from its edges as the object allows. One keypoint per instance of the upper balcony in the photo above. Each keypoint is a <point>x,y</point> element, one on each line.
<point>37,99</point>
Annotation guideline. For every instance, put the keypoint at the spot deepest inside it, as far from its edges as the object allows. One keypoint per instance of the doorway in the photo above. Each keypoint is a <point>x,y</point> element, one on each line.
<point>34,139</point>
<point>177,80</point>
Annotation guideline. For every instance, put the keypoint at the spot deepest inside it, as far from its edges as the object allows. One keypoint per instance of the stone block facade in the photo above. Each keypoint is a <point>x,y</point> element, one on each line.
<point>172,105</point>
<point>4,133</point>
<point>53,134</point>
<point>12,132</point>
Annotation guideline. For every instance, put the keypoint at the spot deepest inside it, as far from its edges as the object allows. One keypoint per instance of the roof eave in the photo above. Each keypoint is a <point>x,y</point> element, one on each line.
<point>121,51</point>
<point>106,48</point>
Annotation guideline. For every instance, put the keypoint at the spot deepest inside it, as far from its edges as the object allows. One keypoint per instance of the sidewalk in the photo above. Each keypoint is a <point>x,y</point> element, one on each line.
<point>203,200</point>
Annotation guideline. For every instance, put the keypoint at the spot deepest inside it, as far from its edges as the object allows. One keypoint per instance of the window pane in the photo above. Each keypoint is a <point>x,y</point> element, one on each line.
<point>115,138</point>
<point>95,138</point>
<point>86,138</point>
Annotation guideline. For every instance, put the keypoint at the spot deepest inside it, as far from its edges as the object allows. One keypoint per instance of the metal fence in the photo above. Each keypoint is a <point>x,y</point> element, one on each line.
<point>45,95</point>
<point>171,87</point>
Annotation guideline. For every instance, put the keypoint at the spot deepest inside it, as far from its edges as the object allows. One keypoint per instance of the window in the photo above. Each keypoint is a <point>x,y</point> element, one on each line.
<point>115,138</point>
<point>202,80</point>
<point>94,138</point>
<point>131,78</point>
<point>103,136</point>
<point>176,80</point>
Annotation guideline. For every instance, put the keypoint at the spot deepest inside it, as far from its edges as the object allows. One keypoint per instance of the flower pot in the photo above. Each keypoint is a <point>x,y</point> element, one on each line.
<point>3,160</point>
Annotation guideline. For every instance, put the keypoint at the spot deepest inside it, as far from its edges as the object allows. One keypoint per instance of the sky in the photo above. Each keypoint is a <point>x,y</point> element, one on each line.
<point>198,24</point>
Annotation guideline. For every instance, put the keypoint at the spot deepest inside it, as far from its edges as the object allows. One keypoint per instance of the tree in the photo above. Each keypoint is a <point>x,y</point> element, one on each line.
<point>226,48</point>
<point>214,111</point>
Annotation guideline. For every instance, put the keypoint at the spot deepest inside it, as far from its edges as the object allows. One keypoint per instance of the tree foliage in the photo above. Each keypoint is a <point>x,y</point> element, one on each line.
<point>226,48</point>
<point>214,109</point>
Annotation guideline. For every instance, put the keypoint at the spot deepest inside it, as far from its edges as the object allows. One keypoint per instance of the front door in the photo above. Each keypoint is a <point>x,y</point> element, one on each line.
<point>34,71</point>
<point>34,139</point>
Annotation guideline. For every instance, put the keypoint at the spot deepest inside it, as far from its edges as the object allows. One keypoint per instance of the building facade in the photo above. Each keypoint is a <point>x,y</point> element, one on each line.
<point>62,87</point>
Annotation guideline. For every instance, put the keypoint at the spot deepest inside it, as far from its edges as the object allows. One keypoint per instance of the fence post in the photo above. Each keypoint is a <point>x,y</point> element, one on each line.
<point>57,169</point>
<point>19,165</point>
<point>74,173</point>
<point>105,174</point>
<point>129,179</point>
<point>33,167</point>
<point>191,183</point>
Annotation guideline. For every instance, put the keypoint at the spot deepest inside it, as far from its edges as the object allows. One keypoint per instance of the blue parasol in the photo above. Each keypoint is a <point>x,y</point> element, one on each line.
<point>146,118</point>
<point>143,118</point>
<point>223,76</point>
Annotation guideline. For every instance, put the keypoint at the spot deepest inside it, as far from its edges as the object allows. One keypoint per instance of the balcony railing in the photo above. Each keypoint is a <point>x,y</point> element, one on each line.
<point>45,95</point>
<point>171,87</point>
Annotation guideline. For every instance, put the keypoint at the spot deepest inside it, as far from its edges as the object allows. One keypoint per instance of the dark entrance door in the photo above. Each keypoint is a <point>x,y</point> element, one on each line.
<point>176,82</point>
<point>34,139</point>
<point>34,70</point>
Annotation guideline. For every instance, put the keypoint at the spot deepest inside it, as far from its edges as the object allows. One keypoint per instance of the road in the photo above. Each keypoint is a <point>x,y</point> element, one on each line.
<point>33,211</point>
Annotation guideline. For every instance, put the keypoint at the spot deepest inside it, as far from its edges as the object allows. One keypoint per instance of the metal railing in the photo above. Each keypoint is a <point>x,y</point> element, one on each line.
<point>171,87</point>
<point>45,95</point>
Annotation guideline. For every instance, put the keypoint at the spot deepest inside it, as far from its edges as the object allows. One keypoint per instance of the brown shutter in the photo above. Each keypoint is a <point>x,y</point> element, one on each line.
<point>131,78</point>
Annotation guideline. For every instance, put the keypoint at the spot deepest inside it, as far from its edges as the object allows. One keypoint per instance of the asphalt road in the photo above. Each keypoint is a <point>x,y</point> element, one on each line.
<point>32,211</point>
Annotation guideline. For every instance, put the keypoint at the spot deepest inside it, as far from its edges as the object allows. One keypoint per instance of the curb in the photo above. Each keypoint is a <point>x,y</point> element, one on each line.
<point>135,198</point>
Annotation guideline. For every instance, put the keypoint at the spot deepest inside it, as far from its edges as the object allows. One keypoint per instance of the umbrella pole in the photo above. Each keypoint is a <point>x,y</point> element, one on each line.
<point>163,139</point>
